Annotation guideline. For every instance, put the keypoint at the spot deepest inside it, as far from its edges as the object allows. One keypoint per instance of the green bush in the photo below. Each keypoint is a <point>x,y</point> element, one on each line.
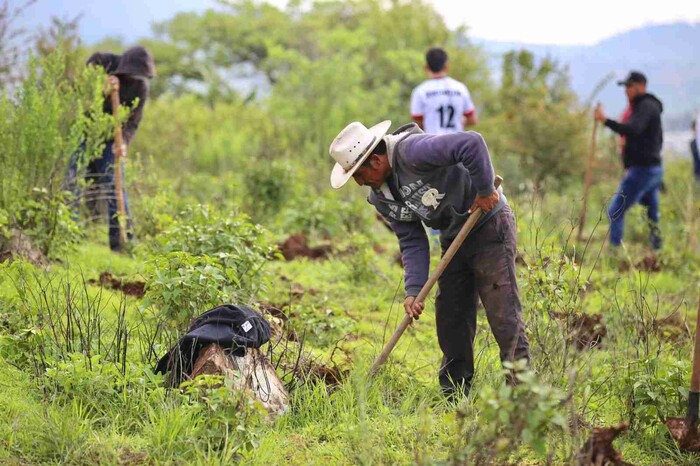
<point>183,286</point>
<point>326,216</point>
<point>202,230</point>
<point>523,414</point>
<point>268,187</point>
<point>42,125</point>
<point>207,259</point>
<point>48,220</point>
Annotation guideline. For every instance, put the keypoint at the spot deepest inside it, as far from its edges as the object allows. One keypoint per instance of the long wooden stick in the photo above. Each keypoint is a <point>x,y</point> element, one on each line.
<point>588,178</point>
<point>694,395</point>
<point>119,145</point>
<point>442,265</point>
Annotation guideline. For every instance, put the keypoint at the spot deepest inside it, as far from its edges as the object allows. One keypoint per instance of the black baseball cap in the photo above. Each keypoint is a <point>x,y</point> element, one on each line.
<point>633,77</point>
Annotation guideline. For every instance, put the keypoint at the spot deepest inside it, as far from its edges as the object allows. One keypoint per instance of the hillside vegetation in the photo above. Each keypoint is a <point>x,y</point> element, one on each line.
<point>218,179</point>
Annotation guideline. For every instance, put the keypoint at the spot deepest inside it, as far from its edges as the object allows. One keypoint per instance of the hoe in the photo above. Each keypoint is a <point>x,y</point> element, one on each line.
<point>685,429</point>
<point>442,265</point>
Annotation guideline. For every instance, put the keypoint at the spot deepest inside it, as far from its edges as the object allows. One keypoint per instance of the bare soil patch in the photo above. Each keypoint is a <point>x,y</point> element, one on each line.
<point>584,330</point>
<point>107,280</point>
<point>599,449</point>
<point>297,245</point>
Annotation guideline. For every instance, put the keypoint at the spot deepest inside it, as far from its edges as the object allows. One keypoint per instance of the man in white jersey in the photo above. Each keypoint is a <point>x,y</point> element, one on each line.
<point>441,105</point>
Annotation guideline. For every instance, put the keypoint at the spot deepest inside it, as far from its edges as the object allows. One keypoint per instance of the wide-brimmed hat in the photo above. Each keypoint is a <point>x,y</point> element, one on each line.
<point>351,147</point>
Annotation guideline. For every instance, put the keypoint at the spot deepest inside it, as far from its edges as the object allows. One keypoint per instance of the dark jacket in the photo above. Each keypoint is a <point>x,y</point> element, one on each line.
<point>434,180</point>
<point>696,157</point>
<point>133,69</point>
<point>643,132</point>
<point>233,327</point>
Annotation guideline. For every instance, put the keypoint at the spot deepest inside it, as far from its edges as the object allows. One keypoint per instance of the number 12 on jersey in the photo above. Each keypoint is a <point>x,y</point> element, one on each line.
<point>447,113</point>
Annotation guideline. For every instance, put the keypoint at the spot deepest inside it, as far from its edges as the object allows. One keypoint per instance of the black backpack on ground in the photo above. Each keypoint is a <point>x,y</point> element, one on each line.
<point>231,326</point>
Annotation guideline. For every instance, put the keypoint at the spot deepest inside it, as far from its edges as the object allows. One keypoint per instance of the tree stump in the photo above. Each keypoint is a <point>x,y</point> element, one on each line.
<point>18,245</point>
<point>252,372</point>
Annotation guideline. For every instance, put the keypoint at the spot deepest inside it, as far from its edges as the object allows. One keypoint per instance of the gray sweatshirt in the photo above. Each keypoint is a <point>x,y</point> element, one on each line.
<point>436,179</point>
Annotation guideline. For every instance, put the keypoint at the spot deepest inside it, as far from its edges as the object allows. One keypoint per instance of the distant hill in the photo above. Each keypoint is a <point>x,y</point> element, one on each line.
<point>668,54</point>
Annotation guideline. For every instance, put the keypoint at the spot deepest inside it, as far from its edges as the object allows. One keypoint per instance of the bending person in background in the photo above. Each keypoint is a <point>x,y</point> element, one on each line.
<point>133,69</point>
<point>418,178</point>
<point>641,156</point>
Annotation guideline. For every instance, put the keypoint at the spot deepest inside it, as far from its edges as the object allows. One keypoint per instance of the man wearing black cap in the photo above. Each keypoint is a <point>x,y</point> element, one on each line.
<point>641,156</point>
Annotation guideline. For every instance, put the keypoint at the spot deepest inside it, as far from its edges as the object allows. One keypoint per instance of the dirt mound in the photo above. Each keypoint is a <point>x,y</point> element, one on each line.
<point>599,449</point>
<point>671,328</point>
<point>584,330</point>
<point>298,291</point>
<point>314,370</point>
<point>649,263</point>
<point>108,281</point>
<point>378,248</point>
<point>686,434</point>
<point>297,245</point>
<point>19,246</point>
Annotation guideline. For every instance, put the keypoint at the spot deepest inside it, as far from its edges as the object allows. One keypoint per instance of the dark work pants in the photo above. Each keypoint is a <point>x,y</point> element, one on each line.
<point>483,268</point>
<point>101,172</point>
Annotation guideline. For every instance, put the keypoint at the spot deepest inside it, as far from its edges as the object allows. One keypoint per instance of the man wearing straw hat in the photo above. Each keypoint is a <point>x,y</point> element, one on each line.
<point>438,180</point>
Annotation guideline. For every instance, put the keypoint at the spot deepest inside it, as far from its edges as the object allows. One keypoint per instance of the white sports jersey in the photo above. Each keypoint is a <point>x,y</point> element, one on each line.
<point>441,102</point>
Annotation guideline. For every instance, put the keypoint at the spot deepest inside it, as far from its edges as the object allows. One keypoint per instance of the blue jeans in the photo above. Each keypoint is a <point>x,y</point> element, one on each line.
<point>639,185</point>
<point>101,171</point>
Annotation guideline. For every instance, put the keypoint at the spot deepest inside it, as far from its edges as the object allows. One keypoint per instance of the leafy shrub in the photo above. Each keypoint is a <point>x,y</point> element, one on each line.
<point>41,126</point>
<point>359,259</point>
<point>654,389</point>
<point>268,187</point>
<point>206,259</point>
<point>231,419</point>
<point>523,414</point>
<point>183,285</point>
<point>326,216</point>
<point>201,230</point>
<point>48,220</point>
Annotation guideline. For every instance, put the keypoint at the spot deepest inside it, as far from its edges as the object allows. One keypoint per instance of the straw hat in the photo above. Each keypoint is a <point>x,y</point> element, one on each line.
<point>351,147</point>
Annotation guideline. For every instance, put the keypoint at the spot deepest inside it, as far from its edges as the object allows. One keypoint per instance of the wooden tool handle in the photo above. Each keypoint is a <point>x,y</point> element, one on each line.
<point>118,144</point>
<point>442,265</point>
<point>695,378</point>
<point>588,178</point>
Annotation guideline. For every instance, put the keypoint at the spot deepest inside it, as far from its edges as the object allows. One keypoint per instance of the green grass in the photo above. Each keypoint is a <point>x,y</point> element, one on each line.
<point>81,410</point>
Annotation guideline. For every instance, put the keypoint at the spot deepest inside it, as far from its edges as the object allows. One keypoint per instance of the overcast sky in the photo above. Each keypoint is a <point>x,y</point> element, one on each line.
<point>528,21</point>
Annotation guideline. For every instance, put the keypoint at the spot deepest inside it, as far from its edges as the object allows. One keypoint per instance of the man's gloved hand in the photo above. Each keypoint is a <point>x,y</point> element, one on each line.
<point>413,308</point>
<point>485,203</point>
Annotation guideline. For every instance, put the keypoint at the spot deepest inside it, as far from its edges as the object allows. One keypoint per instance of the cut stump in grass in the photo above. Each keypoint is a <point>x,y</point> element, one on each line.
<point>253,373</point>
<point>19,246</point>
<point>599,450</point>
